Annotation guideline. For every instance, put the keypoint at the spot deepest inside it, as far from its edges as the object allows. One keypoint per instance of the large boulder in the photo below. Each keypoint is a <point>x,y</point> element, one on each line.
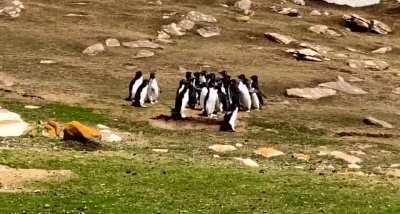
<point>79,132</point>
<point>310,93</point>
<point>11,8</point>
<point>354,3</point>
<point>343,86</point>
<point>11,124</point>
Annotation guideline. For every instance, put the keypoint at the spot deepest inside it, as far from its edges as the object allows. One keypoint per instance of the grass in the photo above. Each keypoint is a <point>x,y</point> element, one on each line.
<point>134,185</point>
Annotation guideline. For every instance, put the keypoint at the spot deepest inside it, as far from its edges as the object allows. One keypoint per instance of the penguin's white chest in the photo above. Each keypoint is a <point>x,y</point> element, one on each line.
<point>136,85</point>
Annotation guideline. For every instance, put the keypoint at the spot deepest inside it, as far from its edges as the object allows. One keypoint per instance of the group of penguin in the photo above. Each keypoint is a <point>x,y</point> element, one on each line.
<point>143,90</point>
<point>218,95</point>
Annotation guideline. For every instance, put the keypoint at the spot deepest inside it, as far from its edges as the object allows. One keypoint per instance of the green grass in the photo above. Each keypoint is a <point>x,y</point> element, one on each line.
<point>134,185</point>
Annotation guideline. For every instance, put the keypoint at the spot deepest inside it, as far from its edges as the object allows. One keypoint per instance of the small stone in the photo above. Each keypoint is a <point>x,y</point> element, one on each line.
<point>48,61</point>
<point>216,156</point>
<point>282,39</point>
<point>343,86</point>
<point>243,5</point>
<point>382,50</point>
<point>222,148</point>
<point>354,166</point>
<point>112,42</point>
<point>299,2</point>
<point>160,150</point>
<point>32,107</point>
<point>315,13</point>
<point>94,49</point>
<point>208,32</point>
<point>397,165</point>
<point>396,91</point>
<point>242,18</point>
<point>376,65</point>
<point>358,152</point>
<point>377,122</point>
<point>239,145</point>
<point>247,162</point>
<point>196,16</point>
<point>268,152</point>
<point>143,54</point>
<point>301,157</point>
<point>142,44</point>
<point>163,35</point>
<point>345,157</point>
<point>186,24</point>
<point>173,29</point>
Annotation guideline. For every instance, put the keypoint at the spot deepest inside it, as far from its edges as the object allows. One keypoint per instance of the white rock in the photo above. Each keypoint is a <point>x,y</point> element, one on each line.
<point>11,8</point>
<point>310,93</point>
<point>299,2</point>
<point>354,166</point>
<point>163,35</point>
<point>306,54</point>
<point>94,49</point>
<point>32,107</point>
<point>109,137</point>
<point>11,124</point>
<point>289,11</point>
<point>319,48</point>
<point>112,42</point>
<point>143,54</point>
<point>142,44</point>
<point>358,152</point>
<point>247,162</point>
<point>100,126</point>
<point>160,150</point>
<point>186,24</point>
<point>346,157</point>
<point>268,152</point>
<point>210,31</point>
<point>222,148</point>
<point>173,29</point>
<point>243,5</point>
<point>196,16</point>
<point>343,86</point>
<point>323,29</point>
<point>377,122</point>
<point>48,61</point>
<point>382,50</point>
<point>282,39</point>
<point>315,13</point>
<point>354,3</point>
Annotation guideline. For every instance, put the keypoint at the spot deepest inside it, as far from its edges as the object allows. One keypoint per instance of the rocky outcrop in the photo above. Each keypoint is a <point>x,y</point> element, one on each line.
<point>310,93</point>
<point>11,8</point>
<point>360,24</point>
<point>377,122</point>
<point>343,86</point>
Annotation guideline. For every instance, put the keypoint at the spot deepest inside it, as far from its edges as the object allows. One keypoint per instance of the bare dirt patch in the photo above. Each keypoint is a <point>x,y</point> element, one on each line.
<point>15,180</point>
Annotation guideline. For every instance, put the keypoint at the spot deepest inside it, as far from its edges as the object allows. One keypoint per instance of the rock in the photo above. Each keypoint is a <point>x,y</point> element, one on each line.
<point>377,122</point>
<point>343,86</point>
<point>353,50</point>
<point>11,8</point>
<point>380,27</point>
<point>247,162</point>
<point>376,65</point>
<point>299,2</point>
<point>109,137</point>
<point>358,152</point>
<point>315,13</point>
<point>48,61</point>
<point>242,18</point>
<point>346,157</point>
<point>163,35</point>
<point>306,54</point>
<point>243,5</point>
<point>79,132</point>
<point>160,150</point>
<point>323,29</point>
<point>396,165</point>
<point>382,50</point>
<point>94,49</point>
<point>222,148</point>
<point>319,48</point>
<point>51,129</point>
<point>186,24</point>
<point>268,152</point>
<point>216,156</point>
<point>360,24</point>
<point>173,29</point>
<point>353,166</point>
<point>32,107</point>
<point>396,91</point>
<point>200,17</point>
<point>279,38</point>
<point>239,145</point>
<point>310,93</point>
<point>11,124</point>
<point>143,54</point>
<point>393,173</point>
<point>112,42</point>
<point>301,157</point>
<point>354,3</point>
<point>142,44</point>
<point>290,12</point>
<point>209,31</point>
<point>355,79</point>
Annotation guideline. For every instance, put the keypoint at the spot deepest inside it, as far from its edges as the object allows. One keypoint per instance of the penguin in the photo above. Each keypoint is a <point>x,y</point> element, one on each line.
<point>134,84</point>
<point>141,94</point>
<point>203,95</point>
<point>245,98</point>
<point>202,77</point>
<point>181,100</point>
<point>229,122</point>
<point>211,100</point>
<point>223,100</point>
<point>153,91</point>
<point>256,87</point>
<point>192,90</point>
